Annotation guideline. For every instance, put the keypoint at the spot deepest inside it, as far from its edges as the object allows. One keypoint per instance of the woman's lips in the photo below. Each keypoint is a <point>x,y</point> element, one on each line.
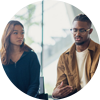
<point>19,40</point>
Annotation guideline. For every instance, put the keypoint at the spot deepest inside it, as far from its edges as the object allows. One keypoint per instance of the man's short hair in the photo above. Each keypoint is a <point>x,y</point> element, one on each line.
<point>84,18</point>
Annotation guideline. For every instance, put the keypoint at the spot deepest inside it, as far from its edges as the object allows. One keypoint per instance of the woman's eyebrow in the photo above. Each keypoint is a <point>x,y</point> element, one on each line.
<point>15,30</point>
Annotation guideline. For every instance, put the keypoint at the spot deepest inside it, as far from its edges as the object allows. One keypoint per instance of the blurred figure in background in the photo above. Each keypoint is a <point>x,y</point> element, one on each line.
<point>19,61</point>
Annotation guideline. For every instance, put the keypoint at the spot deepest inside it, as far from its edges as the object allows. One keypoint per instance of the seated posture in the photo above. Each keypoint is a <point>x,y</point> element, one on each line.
<point>19,61</point>
<point>91,95</point>
<point>77,65</point>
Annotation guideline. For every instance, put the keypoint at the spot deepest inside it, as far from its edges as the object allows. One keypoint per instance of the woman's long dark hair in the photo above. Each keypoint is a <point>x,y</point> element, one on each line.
<point>5,49</point>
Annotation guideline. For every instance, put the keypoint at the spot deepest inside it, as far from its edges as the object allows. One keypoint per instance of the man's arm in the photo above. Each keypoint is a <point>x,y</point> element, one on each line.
<point>62,88</point>
<point>61,77</point>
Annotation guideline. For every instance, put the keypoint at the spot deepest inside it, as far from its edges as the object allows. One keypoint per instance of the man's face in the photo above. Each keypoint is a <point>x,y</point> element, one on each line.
<point>81,36</point>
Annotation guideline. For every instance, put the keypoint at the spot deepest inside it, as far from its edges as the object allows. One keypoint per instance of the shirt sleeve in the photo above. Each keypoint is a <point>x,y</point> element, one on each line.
<point>61,76</point>
<point>3,91</point>
<point>34,76</point>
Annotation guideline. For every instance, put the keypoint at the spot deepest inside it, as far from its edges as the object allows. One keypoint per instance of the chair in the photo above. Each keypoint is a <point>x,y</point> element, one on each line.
<point>42,94</point>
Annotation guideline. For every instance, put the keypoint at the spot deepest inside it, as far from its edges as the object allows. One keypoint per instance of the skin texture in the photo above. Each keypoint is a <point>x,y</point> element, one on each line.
<point>17,36</point>
<point>16,39</point>
<point>81,39</point>
<point>61,91</point>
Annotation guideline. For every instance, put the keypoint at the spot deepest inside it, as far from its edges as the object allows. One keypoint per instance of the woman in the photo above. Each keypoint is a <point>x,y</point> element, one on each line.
<point>19,61</point>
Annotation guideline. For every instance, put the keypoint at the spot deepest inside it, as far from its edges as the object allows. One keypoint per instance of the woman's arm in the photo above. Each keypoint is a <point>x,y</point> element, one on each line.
<point>34,76</point>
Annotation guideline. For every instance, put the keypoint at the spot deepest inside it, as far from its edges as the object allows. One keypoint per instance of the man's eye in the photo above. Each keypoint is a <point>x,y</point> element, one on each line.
<point>82,30</point>
<point>74,30</point>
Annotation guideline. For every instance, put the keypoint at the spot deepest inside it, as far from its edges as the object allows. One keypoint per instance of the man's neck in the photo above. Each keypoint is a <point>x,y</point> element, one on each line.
<point>82,47</point>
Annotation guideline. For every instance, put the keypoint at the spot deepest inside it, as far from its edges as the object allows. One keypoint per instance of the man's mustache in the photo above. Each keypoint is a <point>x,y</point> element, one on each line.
<point>78,37</point>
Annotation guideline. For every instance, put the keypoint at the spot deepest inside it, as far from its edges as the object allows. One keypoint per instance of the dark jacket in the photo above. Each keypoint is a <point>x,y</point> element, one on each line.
<point>25,73</point>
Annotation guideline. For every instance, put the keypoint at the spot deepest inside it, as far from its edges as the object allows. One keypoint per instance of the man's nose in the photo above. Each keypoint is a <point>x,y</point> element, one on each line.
<point>78,33</point>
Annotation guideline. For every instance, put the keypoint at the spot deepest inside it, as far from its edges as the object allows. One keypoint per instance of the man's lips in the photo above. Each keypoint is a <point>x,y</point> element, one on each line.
<point>78,38</point>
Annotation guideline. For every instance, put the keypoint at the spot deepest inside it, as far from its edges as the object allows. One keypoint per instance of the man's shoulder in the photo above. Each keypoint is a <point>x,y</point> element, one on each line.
<point>95,42</point>
<point>97,45</point>
<point>65,53</point>
<point>70,49</point>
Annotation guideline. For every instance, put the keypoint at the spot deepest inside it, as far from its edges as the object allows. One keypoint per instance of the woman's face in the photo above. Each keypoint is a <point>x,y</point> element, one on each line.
<point>17,36</point>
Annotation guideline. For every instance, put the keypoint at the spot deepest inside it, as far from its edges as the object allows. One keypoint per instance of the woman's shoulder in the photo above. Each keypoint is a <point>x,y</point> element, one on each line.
<point>30,53</point>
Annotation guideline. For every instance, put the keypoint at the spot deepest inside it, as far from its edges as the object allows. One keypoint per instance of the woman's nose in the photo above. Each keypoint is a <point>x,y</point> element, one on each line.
<point>20,35</point>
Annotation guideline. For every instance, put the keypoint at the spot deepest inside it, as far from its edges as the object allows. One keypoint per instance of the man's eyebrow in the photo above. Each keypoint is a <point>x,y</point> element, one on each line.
<point>80,28</point>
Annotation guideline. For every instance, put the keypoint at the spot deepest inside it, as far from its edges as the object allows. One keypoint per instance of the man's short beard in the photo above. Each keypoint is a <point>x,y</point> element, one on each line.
<point>79,43</point>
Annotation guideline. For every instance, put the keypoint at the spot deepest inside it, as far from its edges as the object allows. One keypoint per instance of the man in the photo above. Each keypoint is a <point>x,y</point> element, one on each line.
<point>77,65</point>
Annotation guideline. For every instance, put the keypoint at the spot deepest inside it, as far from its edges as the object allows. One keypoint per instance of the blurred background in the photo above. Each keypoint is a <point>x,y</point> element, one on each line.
<point>47,26</point>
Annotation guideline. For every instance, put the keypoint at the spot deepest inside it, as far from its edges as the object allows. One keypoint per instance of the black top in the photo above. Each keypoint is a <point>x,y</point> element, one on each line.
<point>25,73</point>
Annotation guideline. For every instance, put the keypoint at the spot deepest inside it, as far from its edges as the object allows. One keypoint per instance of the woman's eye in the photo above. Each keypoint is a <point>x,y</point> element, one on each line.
<point>22,32</point>
<point>15,33</point>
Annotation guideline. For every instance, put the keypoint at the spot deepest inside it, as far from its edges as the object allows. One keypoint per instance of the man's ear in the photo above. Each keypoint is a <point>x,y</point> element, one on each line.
<point>90,30</point>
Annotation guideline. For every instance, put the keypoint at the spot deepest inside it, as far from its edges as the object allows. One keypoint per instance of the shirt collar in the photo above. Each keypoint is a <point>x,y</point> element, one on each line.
<point>73,47</point>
